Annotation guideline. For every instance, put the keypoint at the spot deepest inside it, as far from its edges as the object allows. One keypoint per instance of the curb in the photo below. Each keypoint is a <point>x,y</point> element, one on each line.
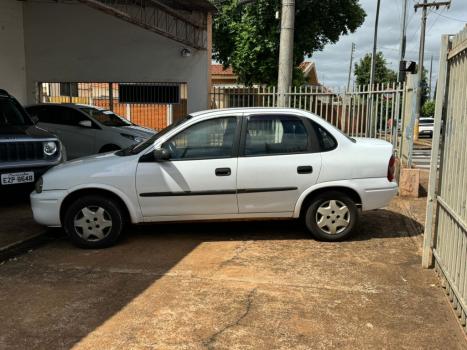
<point>21,247</point>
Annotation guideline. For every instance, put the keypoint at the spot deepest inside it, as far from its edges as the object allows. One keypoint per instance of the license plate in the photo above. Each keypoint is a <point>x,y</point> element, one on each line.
<point>17,178</point>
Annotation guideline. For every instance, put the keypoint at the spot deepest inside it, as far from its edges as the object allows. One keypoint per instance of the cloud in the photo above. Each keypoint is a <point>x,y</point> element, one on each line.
<point>333,62</point>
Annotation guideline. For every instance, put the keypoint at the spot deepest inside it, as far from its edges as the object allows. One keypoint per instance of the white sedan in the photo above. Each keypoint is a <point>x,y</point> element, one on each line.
<point>222,164</point>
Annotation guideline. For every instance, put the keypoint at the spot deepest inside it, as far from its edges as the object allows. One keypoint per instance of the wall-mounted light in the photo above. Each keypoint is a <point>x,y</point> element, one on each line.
<point>185,52</point>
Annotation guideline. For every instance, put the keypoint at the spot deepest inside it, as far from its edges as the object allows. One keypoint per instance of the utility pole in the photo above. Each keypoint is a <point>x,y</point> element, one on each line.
<point>370,120</point>
<point>375,44</point>
<point>431,74</point>
<point>421,58</point>
<point>421,55</point>
<point>284,80</point>
<point>352,51</point>
<point>401,75</point>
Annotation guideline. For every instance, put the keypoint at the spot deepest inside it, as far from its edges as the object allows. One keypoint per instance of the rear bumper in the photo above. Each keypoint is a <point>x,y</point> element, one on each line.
<point>46,207</point>
<point>378,194</point>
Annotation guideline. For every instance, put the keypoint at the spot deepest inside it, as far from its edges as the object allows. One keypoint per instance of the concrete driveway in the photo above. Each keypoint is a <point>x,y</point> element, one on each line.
<point>17,226</point>
<point>262,285</point>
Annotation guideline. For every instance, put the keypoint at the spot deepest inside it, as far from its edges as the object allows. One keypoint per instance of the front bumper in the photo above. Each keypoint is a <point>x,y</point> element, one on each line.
<point>46,207</point>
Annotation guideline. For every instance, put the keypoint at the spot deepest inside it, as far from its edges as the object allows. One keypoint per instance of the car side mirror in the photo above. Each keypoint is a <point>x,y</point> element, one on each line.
<point>161,154</point>
<point>85,123</point>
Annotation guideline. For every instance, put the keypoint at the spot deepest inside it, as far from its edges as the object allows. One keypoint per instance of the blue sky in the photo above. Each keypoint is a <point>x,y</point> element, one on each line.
<point>332,63</point>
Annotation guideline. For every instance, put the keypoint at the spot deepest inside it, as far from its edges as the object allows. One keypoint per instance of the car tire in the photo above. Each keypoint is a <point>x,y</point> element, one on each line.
<point>94,222</point>
<point>331,216</point>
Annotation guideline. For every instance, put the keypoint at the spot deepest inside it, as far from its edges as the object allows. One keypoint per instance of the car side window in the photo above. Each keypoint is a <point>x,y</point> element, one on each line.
<point>44,114</point>
<point>326,141</point>
<point>73,117</point>
<point>275,134</point>
<point>213,138</point>
<point>10,113</point>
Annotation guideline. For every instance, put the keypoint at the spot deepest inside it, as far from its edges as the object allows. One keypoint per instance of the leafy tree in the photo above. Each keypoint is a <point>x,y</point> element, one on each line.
<point>428,109</point>
<point>425,88</point>
<point>383,74</point>
<point>247,36</point>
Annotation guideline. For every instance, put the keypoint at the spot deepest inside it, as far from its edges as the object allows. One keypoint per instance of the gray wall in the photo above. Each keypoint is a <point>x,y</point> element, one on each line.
<point>12,58</point>
<point>73,42</point>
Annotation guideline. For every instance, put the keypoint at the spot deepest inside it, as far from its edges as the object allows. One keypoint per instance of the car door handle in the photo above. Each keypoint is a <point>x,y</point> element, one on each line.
<point>223,172</point>
<point>304,169</point>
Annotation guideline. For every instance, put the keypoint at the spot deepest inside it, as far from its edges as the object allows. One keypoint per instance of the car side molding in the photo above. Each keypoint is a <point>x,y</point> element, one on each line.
<point>219,192</point>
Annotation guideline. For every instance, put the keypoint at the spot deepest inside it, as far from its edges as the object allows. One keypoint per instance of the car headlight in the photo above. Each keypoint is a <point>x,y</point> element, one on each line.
<point>49,148</point>
<point>136,139</point>
<point>39,184</point>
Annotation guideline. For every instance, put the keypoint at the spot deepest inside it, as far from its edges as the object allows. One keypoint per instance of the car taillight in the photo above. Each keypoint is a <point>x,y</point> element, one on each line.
<point>391,168</point>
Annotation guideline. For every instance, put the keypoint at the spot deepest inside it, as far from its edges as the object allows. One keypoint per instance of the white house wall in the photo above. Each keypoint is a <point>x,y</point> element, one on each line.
<point>12,57</point>
<point>75,43</point>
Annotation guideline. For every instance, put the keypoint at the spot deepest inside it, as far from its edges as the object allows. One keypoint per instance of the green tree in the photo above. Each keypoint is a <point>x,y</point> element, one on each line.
<point>428,109</point>
<point>425,88</point>
<point>383,74</point>
<point>246,37</point>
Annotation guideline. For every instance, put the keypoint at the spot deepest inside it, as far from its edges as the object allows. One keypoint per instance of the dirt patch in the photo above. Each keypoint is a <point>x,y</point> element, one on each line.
<point>248,285</point>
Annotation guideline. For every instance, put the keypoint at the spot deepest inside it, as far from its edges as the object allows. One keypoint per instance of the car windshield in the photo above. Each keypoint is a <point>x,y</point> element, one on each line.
<point>427,121</point>
<point>136,148</point>
<point>105,117</point>
<point>12,114</point>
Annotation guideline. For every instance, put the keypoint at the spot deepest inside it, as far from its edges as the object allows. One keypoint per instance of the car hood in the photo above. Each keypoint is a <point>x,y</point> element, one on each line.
<point>19,132</point>
<point>95,169</point>
<point>135,130</point>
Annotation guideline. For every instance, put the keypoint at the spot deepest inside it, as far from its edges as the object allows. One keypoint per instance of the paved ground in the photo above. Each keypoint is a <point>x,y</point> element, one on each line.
<point>262,285</point>
<point>16,222</point>
<point>422,158</point>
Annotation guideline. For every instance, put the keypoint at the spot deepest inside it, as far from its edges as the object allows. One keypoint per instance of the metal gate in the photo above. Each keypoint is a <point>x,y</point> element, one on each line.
<point>445,239</point>
<point>363,111</point>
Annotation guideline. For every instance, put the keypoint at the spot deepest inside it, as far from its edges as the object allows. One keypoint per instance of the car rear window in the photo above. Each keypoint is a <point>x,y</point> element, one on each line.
<point>326,141</point>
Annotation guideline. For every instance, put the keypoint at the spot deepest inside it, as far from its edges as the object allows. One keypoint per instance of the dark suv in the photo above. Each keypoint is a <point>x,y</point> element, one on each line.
<point>26,151</point>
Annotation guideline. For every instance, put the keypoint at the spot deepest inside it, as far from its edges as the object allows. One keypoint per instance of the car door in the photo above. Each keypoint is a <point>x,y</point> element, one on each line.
<point>279,159</point>
<point>200,176</point>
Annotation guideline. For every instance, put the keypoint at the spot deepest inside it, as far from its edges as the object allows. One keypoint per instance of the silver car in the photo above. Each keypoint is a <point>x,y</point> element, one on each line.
<point>86,130</point>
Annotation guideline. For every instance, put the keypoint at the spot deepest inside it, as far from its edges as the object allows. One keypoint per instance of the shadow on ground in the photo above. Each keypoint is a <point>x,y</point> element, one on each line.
<point>261,284</point>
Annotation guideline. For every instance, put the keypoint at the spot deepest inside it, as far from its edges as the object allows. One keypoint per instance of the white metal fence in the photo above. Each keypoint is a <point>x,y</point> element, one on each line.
<point>360,112</point>
<point>446,232</point>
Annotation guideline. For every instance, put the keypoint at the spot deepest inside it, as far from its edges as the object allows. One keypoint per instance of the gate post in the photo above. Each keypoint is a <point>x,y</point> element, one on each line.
<point>111,97</point>
<point>407,133</point>
<point>429,233</point>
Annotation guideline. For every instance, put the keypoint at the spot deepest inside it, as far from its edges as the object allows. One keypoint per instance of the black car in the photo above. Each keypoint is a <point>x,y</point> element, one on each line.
<point>26,151</point>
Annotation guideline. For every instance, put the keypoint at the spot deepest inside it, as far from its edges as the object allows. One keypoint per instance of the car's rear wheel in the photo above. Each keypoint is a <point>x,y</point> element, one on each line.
<point>93,222</point>
<point>331,216</point>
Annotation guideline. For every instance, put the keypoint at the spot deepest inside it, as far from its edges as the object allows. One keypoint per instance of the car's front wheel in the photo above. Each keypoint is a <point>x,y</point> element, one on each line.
<point>93,222</point>
<point>331,216</point>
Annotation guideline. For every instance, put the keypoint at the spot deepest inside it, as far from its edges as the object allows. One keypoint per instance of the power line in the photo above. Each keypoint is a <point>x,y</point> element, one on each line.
<point>448,17</point>
<point>432,24</point>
